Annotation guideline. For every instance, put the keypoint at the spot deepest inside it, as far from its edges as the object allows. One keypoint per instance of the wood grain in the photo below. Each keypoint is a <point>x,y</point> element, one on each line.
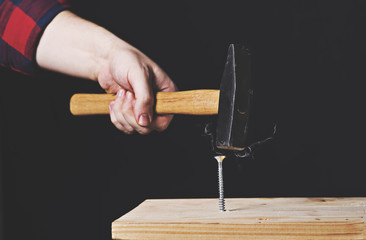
<point>90,104</point>
<point>195,102</point>
<point>250,218</point>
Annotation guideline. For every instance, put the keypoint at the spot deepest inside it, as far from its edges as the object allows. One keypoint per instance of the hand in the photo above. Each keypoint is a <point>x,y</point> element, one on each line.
<point>77,47</point>
<point>135,78</point>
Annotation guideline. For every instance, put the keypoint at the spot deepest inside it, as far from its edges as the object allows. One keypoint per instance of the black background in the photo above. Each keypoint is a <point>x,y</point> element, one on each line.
<point>66,177</point>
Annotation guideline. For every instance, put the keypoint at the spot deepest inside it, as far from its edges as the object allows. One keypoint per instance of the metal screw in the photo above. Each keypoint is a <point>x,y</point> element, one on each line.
<point>221,184</point>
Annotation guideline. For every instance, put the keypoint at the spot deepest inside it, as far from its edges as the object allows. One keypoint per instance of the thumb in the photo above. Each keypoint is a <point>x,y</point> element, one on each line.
<point>143,107</point>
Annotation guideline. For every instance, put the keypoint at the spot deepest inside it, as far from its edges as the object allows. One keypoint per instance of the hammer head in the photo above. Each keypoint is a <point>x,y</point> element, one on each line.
<point>235,99</point>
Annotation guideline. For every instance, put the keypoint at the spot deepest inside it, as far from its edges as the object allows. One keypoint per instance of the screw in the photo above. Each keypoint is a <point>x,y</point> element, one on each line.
<point>221,184</point>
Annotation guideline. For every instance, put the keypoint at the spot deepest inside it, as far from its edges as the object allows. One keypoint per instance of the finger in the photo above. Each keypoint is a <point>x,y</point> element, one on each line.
<point>118,112</point>
<point>113,117</point>
<point>128,113</point>
<point>165,84</point>
<point>162,81</point>
<point>142,88</point>
<point>161,122</point>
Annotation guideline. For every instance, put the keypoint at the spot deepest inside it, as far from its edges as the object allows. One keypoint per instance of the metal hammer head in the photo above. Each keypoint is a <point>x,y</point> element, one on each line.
<point>235,98</point>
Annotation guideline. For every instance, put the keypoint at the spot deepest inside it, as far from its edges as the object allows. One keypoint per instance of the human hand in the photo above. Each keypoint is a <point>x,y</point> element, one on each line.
<point>135,78</point>
<point>74,46</point>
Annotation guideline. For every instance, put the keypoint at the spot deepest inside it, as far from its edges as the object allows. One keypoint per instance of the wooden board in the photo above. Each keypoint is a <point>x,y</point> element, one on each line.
<point>250,218</point>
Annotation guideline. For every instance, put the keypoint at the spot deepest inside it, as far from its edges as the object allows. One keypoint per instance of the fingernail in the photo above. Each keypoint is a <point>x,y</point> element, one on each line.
<point>128,95</point>
<point>111,106</point>
<point>144,120</point>
<point>119,93</point>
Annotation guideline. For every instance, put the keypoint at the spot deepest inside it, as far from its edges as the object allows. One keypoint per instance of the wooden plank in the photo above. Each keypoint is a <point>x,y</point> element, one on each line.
<point>249,218</point>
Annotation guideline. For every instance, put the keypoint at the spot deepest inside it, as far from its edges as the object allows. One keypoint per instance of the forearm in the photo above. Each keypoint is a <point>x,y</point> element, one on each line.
<point>74,46</point>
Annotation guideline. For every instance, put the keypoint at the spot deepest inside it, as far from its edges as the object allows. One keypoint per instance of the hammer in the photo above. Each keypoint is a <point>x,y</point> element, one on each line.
<point>231,103</point>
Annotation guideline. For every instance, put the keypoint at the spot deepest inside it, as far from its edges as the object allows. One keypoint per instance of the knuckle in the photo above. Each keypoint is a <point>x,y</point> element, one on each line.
<point>128,131</point>
<point>144,131</point>
<point>114,121</point>
<point>156,69</point>
<point>145,69</point>
<point>120,117</point>
<point>138,71</point>
<point>147,99</point>
<point>119,126</point>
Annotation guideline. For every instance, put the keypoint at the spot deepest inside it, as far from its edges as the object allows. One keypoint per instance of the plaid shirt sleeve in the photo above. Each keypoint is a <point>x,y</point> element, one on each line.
<point>22,23</point>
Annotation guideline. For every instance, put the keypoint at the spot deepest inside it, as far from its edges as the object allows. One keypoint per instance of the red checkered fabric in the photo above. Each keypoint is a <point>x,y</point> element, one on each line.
<point>21,25</point>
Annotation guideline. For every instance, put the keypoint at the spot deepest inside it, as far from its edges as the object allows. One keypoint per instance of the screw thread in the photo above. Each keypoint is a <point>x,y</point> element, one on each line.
<point>221,188</point>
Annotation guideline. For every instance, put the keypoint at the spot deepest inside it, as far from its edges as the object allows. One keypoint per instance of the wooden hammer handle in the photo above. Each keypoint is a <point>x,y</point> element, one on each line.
<point>195,102</point>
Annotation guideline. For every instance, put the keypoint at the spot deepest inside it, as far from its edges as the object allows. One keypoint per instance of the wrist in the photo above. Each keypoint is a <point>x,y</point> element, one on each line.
<point>106,47</point>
